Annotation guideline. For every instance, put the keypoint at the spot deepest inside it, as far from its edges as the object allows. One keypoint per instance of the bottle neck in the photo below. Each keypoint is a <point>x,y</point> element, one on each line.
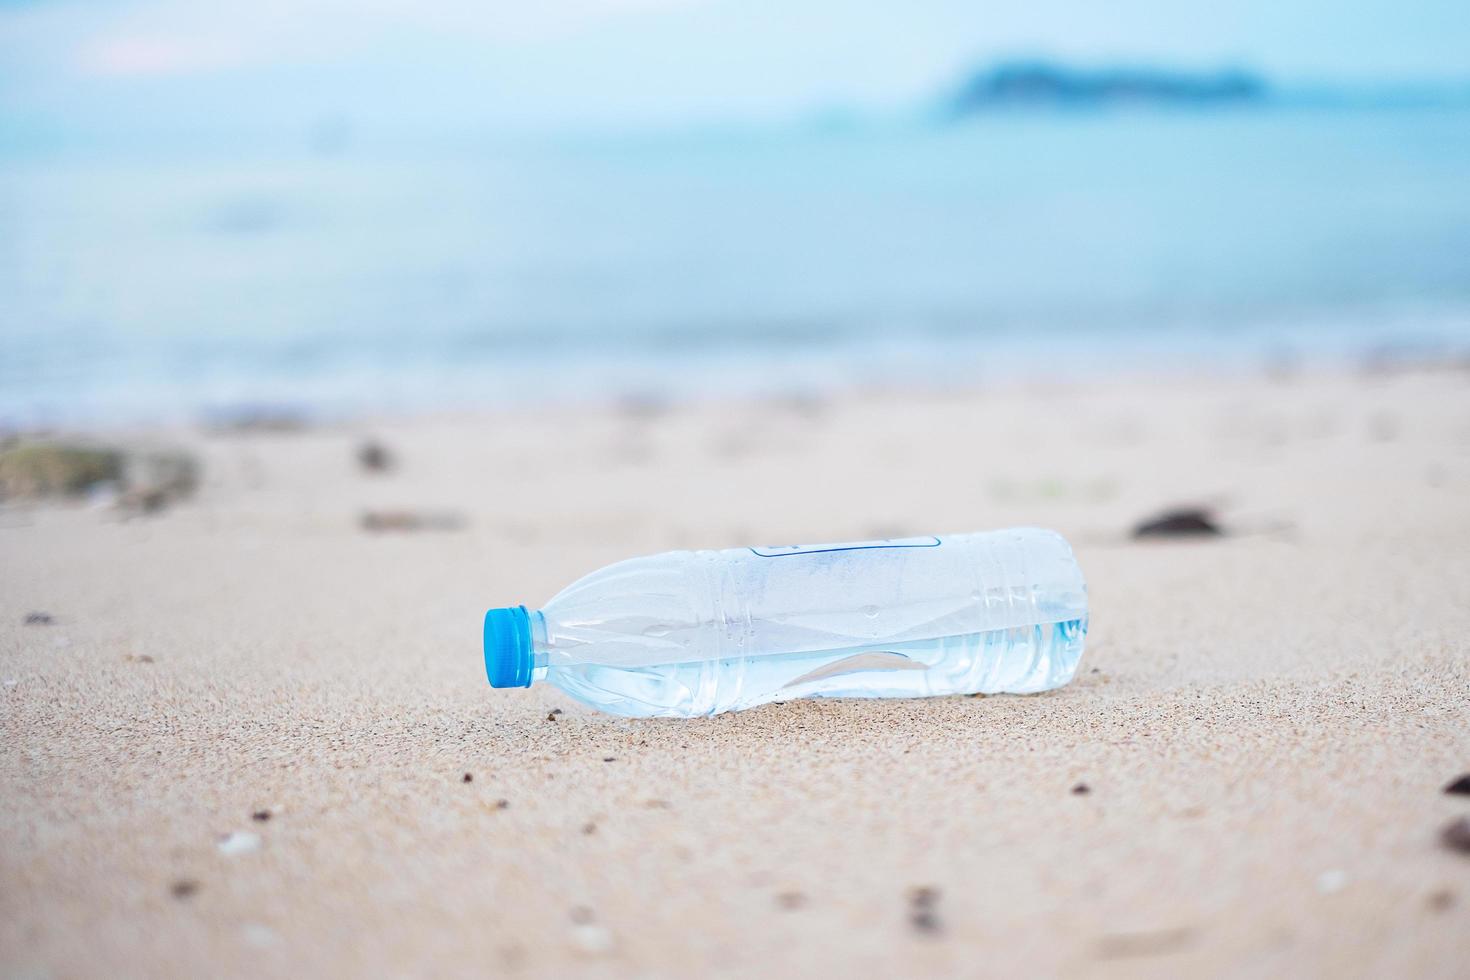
<point>540,646</point>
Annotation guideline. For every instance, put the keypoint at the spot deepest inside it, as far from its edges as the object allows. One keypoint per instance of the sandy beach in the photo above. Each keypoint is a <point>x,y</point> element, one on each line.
<point>255,738</point>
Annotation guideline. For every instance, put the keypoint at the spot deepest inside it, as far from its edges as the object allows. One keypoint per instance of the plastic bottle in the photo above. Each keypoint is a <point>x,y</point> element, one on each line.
<point>700,632</point>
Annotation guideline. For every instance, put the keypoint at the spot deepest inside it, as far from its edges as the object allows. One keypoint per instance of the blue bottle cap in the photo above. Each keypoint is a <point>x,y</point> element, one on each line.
<point>508,657</point>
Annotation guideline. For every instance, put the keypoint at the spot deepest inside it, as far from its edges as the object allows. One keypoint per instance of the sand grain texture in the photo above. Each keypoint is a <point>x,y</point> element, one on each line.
<point>1264,722</point>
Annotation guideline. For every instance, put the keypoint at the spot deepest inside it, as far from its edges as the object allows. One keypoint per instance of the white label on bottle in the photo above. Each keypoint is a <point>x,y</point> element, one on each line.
<point>781,551</point>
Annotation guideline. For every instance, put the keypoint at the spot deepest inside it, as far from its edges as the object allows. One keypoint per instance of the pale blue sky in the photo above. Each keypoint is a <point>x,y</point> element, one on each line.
<point>609,63</point>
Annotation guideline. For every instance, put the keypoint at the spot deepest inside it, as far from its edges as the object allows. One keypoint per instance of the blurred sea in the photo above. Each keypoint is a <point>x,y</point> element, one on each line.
<point>340,273</point>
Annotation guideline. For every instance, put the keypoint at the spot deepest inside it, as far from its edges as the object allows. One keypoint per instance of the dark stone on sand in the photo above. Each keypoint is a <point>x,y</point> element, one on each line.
<point>502,804</point>
<point>469,777</point>
<point>551,715</point>
<point>1180,522</point>
<point>374,457</point>
<point>1459,786</point>
<point>1456,835</point>
<point>923,896</point>
<point>390,520</point>
<point>923,915</point>
<point>183,888</point>
<point>925,921</point>
<point>410,520</point>
<point>39,619</point>
<point>609,758</point>
<point>261,816</point>
<point>1081,789</point>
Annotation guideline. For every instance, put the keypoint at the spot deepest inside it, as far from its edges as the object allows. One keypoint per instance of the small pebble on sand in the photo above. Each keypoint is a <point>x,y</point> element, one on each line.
<point>469,777</point>
<point>587,936</point>
<point>551,715</point>
<point>374,457</point>
<point>183,888</point>
<point>922,909</point>
<point>1456,835</point>
<point>1460,786</point>
<point>1081,789</point>
<point>261,816</point>
<point>923,895</point>
<point>592,939</point>
<point>1179,522</point>
<point>238,842</point>
<point>39,619</point>
<point>925,921</point>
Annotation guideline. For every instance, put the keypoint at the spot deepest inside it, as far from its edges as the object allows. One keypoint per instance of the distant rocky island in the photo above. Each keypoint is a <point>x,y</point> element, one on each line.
<point>1042,84</point>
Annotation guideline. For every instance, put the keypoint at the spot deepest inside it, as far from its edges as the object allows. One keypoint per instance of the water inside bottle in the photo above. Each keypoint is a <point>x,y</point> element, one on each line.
<point>1020,660</point>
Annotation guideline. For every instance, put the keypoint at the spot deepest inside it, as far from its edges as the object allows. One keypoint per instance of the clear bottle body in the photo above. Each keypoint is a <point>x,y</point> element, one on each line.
<point>701,632</point>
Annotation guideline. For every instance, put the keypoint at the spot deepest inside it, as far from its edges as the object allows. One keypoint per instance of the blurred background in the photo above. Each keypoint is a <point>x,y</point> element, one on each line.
<point>343,275</point>
<point>329,208</point>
